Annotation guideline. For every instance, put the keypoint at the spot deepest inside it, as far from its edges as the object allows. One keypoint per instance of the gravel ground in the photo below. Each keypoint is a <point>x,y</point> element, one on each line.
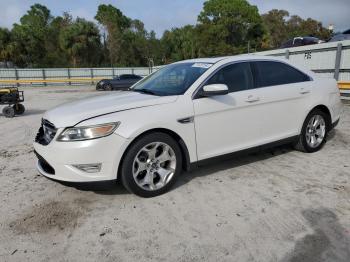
<point>277,205</point>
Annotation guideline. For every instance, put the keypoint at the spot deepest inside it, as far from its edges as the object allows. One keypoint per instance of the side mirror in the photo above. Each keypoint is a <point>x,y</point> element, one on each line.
<point>213,90</point>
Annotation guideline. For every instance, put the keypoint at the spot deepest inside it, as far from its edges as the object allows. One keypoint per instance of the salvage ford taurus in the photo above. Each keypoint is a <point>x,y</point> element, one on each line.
<point>183,114</point>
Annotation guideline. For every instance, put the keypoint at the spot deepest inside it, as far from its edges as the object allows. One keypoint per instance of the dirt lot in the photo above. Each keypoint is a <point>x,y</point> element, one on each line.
<point>278,205</point>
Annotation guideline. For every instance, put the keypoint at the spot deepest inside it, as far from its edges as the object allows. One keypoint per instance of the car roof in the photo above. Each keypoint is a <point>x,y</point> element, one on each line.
<point>232,58</point>
<point>211,60</point>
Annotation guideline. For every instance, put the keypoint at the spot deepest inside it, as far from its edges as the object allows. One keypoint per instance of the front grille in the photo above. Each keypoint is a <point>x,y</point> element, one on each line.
<point>45,165</point>
<point>46,132</point>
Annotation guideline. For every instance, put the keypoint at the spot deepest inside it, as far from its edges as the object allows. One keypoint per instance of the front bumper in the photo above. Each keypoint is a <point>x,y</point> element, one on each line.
<point>57,159</point>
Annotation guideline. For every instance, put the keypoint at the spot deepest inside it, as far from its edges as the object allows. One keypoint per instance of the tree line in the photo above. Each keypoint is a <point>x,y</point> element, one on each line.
<point>224,27</point>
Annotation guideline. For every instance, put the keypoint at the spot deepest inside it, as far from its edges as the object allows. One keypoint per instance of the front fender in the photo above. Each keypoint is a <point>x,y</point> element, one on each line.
<point>140,120</point>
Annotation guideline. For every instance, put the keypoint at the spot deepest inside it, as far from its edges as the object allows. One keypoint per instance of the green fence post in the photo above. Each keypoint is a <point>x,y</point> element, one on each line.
<point>16,75</point>
<point>44,76</point>
<point>68,73</point>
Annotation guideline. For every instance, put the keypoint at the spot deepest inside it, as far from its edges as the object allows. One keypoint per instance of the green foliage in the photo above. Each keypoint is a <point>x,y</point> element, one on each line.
<point>224,27</point>
<point>275,22</point>
<point>127,43</point>
<point>282,27</point>
<point>5,38</point>
<point>115,23</point>
<point>179,44</point>
<point>30,34</point>
<point>81,41</point>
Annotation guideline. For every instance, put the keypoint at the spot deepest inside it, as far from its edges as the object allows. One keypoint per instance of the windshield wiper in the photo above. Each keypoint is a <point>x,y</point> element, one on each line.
<point>145,91</point>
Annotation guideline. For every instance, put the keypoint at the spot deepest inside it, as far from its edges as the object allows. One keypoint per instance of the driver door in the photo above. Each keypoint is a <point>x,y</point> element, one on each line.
<point>231,122</point>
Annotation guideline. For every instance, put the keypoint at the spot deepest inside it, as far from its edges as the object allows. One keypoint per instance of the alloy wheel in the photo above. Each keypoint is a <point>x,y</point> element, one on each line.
<point>315,131</point>
<point>154,166</point>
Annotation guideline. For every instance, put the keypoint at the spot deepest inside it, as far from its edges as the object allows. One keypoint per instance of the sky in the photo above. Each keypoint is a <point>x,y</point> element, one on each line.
<point>160,15</point>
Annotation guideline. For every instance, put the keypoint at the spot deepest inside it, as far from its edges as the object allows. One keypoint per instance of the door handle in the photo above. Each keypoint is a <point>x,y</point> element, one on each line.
<point>304,91</point>
<point>252,99</point>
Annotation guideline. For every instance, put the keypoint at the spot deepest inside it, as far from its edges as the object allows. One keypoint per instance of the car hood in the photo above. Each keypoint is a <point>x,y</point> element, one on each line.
<point>72,113</point>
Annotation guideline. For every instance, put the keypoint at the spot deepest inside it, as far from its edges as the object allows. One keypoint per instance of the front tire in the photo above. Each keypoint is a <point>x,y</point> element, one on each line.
<point>19,109</point>
<point>151,165</point>
<point>314,132</point>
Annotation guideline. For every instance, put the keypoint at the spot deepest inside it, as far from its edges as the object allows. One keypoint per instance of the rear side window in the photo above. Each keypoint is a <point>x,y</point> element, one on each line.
<point>237,77</point>
<point>310,40</point>
<point>275,73</point>
<point>124,77</point>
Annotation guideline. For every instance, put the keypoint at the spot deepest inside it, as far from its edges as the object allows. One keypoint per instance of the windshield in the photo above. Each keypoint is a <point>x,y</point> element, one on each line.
<point>173,79</point>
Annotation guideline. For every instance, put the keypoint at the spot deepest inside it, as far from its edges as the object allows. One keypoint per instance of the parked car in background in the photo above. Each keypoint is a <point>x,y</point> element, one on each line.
<point>122,82</point>
<point>183,115</point>
<point>340,37</point>
<point>301,41</point>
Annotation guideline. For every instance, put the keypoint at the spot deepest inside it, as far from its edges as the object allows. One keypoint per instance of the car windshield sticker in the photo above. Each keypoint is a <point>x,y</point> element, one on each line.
<point>202,65</point>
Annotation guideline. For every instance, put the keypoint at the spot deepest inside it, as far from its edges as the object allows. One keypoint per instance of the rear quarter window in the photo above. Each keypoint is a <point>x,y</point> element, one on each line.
<point>269,73</point>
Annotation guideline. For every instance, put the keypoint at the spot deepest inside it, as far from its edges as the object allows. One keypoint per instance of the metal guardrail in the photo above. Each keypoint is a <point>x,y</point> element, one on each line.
<point>42,81</point>
<point>46,76</point>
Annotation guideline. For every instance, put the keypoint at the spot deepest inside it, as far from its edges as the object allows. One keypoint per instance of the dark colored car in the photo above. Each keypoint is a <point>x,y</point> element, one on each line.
<point>122,82</point>
<point>340,37</point>
<point>301,41</point>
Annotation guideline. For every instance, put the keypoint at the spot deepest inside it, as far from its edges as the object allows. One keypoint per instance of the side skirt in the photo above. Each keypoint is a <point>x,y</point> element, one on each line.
<point>216,159</point>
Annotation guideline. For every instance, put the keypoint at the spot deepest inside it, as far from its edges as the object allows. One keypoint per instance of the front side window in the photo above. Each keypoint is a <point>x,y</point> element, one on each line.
<point>271,73</point>
<point>298,42</point>
<point>237,77</point>
<point>173,79</point>
<point>289,43</point>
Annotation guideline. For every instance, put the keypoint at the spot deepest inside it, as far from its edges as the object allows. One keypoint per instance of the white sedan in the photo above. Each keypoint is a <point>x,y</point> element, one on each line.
<point>182,115</point>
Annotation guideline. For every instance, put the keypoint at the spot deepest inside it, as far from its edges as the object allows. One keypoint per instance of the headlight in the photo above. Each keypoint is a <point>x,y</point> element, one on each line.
<point>87,132</point>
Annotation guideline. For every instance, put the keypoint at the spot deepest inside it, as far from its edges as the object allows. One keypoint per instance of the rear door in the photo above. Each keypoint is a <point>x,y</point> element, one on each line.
<point>133,79</point>
<point>123,82</point>
<point>130,80</point>
<point>285,92</point>
<point>116,82</point>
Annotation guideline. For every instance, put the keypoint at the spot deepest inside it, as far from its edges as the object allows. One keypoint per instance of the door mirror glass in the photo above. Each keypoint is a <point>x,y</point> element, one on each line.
<point>214,90</point>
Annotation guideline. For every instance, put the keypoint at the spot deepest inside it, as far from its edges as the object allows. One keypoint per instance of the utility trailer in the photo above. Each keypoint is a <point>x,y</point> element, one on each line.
<point>12,98</point>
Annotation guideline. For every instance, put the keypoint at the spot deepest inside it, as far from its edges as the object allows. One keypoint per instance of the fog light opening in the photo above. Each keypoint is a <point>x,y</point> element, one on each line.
<point>89,168</point>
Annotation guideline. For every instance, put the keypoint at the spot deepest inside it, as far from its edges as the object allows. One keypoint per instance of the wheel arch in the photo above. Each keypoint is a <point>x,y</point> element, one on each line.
<point>184,150</point>
<point>325,110</point>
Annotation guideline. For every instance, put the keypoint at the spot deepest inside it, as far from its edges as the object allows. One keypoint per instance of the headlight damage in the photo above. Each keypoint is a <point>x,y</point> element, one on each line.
<point>87,132</point>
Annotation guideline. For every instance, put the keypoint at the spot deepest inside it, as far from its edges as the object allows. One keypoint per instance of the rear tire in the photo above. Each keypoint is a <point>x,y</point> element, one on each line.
<point>8,111</point>
<point>108,87</point>
<point>314,132</point>
<point>151,165</point>
<point>19,109</point>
